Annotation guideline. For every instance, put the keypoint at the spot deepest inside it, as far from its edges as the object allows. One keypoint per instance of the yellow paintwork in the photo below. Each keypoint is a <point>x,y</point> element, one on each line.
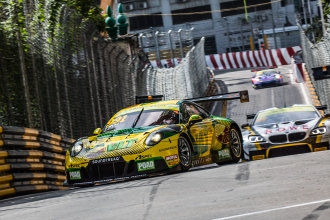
<point>288,145</point>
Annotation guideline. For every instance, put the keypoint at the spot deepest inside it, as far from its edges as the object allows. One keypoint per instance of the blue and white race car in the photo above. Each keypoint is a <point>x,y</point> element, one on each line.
<point>265,78</point>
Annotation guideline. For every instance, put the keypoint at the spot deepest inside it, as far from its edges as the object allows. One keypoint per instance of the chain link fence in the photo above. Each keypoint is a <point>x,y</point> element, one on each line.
<point>317,55</point>
<point>73,81</point>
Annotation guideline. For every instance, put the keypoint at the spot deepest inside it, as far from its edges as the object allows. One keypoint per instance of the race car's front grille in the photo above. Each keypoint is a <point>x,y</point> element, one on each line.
<point>278,138</point>
<point>297,136</point>
<point>290,150</point>
<point>108,170</point>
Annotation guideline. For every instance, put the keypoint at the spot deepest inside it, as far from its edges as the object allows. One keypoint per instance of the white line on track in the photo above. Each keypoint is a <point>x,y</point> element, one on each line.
<point>271,210</point>
<point>304,93</point>
<point>273,99</point>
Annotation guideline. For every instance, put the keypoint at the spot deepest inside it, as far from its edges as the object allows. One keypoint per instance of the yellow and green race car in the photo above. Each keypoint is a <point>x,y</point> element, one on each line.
<point>155,138</point>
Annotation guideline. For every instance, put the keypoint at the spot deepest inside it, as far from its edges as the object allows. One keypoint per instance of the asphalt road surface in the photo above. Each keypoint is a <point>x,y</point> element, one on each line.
<point>292,187</point>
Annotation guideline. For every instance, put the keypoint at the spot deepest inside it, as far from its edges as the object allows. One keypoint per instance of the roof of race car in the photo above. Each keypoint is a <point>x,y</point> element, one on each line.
<point>293,108</point>
<point>263,71</point>
<point>168,104</point>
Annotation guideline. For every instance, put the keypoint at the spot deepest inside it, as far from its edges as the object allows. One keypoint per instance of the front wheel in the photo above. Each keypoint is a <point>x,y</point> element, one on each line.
<point>185,153</point>
<point>236,147</point>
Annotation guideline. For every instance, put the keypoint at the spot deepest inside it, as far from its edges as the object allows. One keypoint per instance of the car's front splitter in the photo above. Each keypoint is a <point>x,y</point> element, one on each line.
<point>105,173</point>
<point>284,150</point>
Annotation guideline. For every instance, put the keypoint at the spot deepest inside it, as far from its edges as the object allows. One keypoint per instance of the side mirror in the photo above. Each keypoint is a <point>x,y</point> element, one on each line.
<point>245,125</point>
<point>279,72</point>
<point>97,131</point>
<point>253,76</point>
<point>194,118</point>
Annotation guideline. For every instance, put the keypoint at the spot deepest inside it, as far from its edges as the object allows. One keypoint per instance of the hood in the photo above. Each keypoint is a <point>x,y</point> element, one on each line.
<point>286,127</point>
<point>121,142</point>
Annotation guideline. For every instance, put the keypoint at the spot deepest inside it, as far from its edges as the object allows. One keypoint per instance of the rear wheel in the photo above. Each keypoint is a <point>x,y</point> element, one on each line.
<point>185,153</point>
<point>236,147</point>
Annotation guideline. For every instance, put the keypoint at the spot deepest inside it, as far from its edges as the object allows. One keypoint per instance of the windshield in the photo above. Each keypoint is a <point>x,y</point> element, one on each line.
<point>266,118</point>
<point>270,72</point>
<point>147,118</point>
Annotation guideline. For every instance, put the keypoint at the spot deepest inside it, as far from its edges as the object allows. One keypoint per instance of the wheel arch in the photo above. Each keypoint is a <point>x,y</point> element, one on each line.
<point>188,139</point>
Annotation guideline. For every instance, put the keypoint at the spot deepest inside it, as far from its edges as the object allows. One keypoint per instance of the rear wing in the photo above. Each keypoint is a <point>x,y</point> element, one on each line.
<point>243,96</point>
<point>250,116</point>
<point>148,98</point>
<point>321,107</point>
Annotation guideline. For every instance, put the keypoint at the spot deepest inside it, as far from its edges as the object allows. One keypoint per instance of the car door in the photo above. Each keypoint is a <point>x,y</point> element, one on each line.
<point>200,133</point>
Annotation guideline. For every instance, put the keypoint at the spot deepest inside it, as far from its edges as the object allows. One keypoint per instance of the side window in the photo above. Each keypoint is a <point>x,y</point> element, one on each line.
<point>203,112</point>
<point>189,109</point>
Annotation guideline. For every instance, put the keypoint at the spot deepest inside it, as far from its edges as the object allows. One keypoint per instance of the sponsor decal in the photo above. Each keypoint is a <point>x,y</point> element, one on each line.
<point>271,131</point>
<point>74,166</point>
<point>121,144</point>
<point>201,161</point>
<point>224,154</point>
<point>75,175</point>
<point>147,165</point>
<point>140,157</point>
<point>168,148</point>
<point>105,160</point>
<point>172,157</point>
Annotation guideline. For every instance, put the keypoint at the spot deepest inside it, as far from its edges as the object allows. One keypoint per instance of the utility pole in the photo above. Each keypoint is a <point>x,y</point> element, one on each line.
<point>322,17</point>
<point>274,34</point>
<point>228,34</point>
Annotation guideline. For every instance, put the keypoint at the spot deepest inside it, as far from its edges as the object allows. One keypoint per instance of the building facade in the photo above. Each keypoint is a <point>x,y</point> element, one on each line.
<point>227,25</point>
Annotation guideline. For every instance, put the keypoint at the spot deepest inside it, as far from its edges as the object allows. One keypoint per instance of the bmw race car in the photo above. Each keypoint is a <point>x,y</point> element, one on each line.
<point>267,77</point>
<point>155,138</point>
<point>285,131</point>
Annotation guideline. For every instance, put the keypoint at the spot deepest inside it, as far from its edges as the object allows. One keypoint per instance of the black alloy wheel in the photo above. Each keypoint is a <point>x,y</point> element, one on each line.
<point>185,153</point>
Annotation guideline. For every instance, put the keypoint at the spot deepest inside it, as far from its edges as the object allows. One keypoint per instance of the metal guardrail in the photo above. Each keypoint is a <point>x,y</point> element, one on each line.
<point>31,160</point>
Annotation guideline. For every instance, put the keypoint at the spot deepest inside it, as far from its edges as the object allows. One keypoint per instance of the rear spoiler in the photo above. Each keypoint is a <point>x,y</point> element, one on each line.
<point>243,96</point>
<point>148,98</point>
<point>321,107</point>
<point>263,68</point>
<point>251,116</point>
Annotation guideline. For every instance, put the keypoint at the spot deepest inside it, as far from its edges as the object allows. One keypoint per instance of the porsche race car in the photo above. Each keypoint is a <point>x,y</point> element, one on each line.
<point>285,131</point>
<point>155,138</point>
<point>265,78</point>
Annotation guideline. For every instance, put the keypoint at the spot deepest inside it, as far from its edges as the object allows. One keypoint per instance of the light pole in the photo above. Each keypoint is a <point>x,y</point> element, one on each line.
<point>228,33</point>
<point>322,17</point>
<point>273,25</point>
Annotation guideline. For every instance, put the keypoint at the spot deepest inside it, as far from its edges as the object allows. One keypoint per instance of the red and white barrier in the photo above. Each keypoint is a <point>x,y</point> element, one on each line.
<point>246,59</point>
<point>298,71</point>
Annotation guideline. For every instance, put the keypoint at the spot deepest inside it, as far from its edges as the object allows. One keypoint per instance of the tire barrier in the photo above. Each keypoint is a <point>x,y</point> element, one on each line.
<point>31,161</point>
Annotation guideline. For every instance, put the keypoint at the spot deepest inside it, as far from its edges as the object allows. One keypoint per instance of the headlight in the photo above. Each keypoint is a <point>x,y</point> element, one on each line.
<point>320,130</point>
<point>76,148</point>
<point>254,139</point>
<point>257,80</point>
<point>154,138</point>
<point>277,76</point>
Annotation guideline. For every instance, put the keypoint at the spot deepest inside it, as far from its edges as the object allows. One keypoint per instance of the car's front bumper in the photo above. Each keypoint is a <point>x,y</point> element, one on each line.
<point>270,151</point>
<point>115,171</point>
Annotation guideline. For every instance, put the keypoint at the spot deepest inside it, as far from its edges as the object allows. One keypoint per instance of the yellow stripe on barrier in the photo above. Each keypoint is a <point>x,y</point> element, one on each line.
<point>5,185</point>
<point>1,143</point>
<point>3,154</point>
<point>6,178</point>
<point>2,161</point>
<point>31,131</point>
<point>4,168</point>
<point>7,192</point>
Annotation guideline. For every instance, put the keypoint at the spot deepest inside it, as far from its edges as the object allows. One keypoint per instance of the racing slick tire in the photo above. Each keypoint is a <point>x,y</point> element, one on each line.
<point>236,146</point>
<point>185,153</point>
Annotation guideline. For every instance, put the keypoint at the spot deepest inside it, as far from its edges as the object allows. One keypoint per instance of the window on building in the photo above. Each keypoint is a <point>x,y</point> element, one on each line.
<point>210,46</point>
<point>239,3</point>
<point>145,22</point>
<point>191,16</point>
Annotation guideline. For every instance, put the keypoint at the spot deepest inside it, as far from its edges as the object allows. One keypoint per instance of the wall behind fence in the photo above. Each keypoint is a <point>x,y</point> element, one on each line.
<point>31,160</point>
<point>317,55</point>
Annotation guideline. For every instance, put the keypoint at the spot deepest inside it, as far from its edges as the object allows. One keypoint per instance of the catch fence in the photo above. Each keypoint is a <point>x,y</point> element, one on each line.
<point>317,55</point>
<point>72,81</point>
